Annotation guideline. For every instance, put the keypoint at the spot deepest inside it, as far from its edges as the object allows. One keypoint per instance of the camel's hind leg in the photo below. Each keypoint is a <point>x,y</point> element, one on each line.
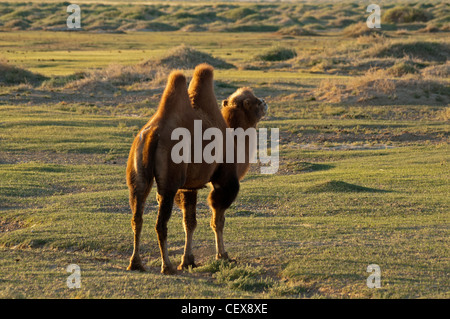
<point>221,197</point>
<point>165,201</point>
<point>187,201</point>
<point>137,202</point>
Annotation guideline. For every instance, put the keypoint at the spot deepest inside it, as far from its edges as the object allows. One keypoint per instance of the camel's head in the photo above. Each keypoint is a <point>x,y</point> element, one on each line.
<point>243,99</point>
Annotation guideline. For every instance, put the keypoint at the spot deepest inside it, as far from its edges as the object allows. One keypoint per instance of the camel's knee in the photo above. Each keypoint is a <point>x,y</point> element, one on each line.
<point>187,201</point>
<point>136,221</point>
<point>137,208</point>
<point>137,196</point>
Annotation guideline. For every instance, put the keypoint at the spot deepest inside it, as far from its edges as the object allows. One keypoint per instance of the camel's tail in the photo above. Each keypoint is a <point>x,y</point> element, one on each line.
<point>141,163</point>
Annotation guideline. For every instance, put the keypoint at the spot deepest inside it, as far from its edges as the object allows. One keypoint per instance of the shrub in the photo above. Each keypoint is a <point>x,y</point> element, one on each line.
<point>238,13</point>
<point>277,54</point>
<point>296,31</point>
<point>63,80</point>
<point>405,14</point>
<point>244,278</point>
<point>402,68</point>
<point>12,75</point>
<point>16,24</point>
<point>237,277</point>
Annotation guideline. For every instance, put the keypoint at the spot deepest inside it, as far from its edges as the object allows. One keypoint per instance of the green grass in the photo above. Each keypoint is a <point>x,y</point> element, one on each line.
<point>307,234</point>
<point>71,52</point>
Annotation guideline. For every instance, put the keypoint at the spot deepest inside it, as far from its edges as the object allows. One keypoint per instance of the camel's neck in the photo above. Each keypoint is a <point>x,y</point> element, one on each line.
<point>236,118</point>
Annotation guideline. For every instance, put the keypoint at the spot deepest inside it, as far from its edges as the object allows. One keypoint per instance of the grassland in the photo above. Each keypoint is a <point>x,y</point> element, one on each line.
<point>219,17</point>
<point>363,175</point>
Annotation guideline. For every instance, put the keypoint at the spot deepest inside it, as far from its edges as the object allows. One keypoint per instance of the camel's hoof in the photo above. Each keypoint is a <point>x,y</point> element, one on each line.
<point>186,265</point>
<point>186,262</point>
<point>168,270</point>
<point>225,257</point>
<point>136,266</point>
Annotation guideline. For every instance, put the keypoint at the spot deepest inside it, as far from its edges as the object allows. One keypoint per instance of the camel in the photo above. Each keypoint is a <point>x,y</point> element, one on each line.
<point>150,160</point>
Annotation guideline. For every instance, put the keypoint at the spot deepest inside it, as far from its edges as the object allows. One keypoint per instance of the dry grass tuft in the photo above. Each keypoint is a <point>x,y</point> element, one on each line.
<point>115,75</point>
<point>378,86</point>
<point>437,71</point>
<point>295,30</point>
<point>361,29</point>
<point>423,50</point>
<point>402,68</point>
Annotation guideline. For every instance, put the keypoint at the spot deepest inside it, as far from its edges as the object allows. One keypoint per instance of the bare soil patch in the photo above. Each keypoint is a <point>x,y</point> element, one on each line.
<point>9,226</point>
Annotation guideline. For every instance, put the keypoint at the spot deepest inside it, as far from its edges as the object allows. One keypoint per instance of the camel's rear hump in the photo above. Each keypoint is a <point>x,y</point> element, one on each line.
<point>203,98</point>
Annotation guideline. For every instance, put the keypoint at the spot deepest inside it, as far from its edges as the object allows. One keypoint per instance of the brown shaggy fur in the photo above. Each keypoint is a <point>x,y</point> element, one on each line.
<point>150,159</point>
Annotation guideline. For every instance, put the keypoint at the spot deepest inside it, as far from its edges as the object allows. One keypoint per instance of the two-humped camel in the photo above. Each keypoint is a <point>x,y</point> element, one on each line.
<point>150,159</point>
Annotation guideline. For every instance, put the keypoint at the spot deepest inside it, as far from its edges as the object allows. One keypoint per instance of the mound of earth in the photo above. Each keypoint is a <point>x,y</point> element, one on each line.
<point>376,87</point>
<point>185,57</point>
<point>12,75</point>
<point>296,31</point>
<point>340,186</point>
<point>359,29</point>
<point>426,51</point>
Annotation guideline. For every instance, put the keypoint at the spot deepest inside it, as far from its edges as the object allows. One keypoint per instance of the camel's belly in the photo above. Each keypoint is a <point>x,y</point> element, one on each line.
<point>198,175</point>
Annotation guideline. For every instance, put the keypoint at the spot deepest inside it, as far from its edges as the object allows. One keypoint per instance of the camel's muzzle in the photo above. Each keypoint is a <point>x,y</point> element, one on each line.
<point>264,106</point>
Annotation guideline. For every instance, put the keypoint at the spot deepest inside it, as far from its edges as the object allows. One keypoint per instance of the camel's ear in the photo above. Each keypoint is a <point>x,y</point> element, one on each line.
<point>224,103</point>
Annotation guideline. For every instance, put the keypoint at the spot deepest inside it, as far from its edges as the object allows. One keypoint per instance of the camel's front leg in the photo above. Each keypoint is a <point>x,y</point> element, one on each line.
<point>187,201</point>
<point>223,194</point>
<point>217,224</point>
<point>165,210</point>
